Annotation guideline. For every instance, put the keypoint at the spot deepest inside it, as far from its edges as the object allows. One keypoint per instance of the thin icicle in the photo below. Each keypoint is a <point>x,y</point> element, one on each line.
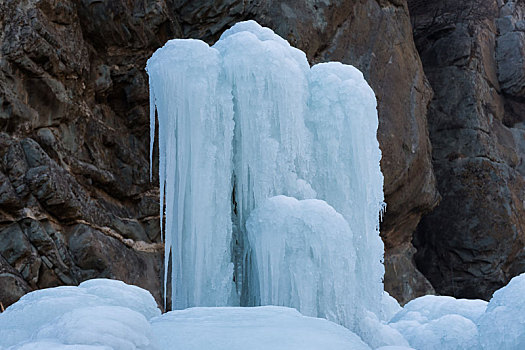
<point>152,108</point>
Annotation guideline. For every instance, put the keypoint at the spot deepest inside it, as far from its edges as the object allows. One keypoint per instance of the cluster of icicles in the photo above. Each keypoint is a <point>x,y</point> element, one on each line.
<point>269,176</point>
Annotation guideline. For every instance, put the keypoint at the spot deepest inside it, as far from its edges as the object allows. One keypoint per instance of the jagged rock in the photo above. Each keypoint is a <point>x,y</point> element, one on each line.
<point>98,255</point>
<point>510,56</point>
<point>473,242</point>
<point>8,197</point>
<point>13,284</point>
<point>19,253</point>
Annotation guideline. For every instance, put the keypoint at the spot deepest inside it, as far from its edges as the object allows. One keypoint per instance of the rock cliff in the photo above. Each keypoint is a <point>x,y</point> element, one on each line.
<point>473,55</point>
<point>75,196</point>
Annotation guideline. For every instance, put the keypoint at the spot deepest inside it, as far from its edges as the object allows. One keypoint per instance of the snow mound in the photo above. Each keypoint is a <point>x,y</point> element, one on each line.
<point>83,315</point>
<point>254,328</point>
<point>503,324</point>
<point>389,307</point>
<point>440,322</point>
<point>111,315</point>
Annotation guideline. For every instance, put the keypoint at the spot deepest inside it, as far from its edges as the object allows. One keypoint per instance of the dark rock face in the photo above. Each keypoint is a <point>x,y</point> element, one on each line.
<point>75,197</point>
<point>473,242</point>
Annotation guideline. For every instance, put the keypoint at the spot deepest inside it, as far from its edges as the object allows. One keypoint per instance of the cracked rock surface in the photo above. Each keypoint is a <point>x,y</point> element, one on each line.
<point>473,242</point>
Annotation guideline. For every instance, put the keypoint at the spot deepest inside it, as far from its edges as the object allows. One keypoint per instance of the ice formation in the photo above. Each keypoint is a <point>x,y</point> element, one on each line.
<point>296,262</point>
<point>502,326</point>
<point>111,315</point>
<point>247,120</point>
<point>195,112</point>
<point>440,322</point>
<point>254,328</point>
<point>98,314</point>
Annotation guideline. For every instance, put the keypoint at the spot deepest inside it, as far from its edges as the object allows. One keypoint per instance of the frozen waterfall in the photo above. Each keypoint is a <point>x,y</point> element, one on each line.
<point>269,175</point>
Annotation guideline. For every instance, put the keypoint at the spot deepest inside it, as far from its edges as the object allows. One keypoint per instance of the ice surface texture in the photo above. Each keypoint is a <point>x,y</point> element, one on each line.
<point>247,120</point>
<point>98,314</point>
<point>502,326</point>
<point>254,328</point>
<point>111,315</point>
<point>296,261</point>
<point>440,322</point>
<point>195,131</point>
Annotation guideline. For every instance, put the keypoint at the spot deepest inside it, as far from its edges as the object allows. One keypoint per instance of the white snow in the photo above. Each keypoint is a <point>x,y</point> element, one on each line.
<point>389,307</point>
<point>111,315</point>
<point>502,326</point>
<point>440,322</point>
<point>97,312</point>
<point>254,328</point>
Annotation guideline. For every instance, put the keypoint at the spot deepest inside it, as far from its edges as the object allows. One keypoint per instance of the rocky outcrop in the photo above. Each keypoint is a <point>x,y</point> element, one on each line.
<point>75,198</point>
<point>473,242</point>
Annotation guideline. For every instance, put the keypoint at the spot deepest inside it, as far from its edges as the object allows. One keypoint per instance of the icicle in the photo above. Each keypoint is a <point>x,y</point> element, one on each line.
<point>152,109</point>
<point>195,117</point>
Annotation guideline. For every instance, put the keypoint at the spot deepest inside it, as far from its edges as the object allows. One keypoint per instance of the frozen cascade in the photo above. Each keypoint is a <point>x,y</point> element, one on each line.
<point>195,130</point>
<point>270,91</point>
<point>249,119</point>
<point>345,170</point>
<point>297,263</point>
